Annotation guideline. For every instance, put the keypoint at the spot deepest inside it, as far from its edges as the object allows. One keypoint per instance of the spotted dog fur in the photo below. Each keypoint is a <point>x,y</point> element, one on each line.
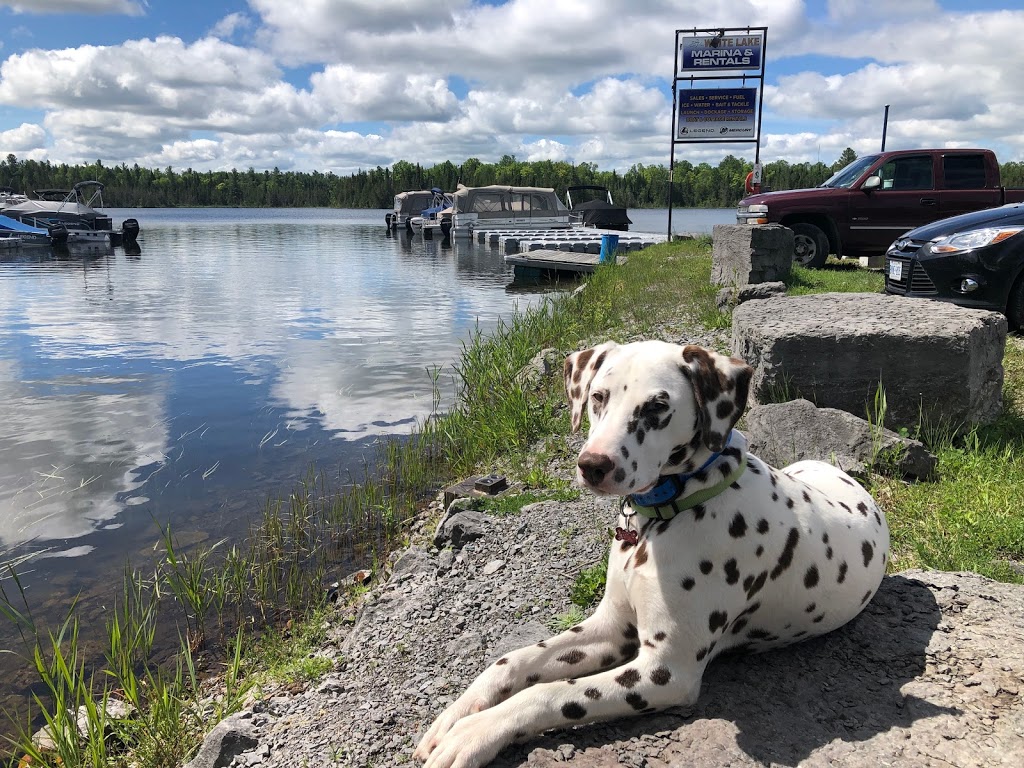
<point>778,556</point>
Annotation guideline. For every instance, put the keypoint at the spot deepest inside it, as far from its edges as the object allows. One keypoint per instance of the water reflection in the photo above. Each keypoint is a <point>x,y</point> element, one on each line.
<point>237,350</point>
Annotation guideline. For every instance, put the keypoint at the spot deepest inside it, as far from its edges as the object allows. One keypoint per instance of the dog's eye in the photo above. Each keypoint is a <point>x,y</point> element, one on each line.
<point>658,404</point>
<point>598,398</point>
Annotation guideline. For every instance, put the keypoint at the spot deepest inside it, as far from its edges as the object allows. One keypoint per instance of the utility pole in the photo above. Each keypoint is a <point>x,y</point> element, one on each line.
<point>885,126</point>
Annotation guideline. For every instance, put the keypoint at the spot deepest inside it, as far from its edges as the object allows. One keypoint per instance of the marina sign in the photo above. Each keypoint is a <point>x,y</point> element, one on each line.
<point>707,54</point>
<point>717,113</point>
<point>733,59</point>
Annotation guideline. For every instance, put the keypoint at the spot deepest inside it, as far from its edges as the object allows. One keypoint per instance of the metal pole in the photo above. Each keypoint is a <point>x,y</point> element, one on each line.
<point>760,92</point>
<point>672,152</point>
<point>885,126</point>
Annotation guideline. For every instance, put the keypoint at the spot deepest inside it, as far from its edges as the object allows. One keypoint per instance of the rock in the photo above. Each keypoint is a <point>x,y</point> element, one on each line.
<point>760,291</point>
<point>530,633</point>
<point>742,255</point>
<point>460,527</point>
<point>445,560</point>
<point>728,298</point>
<point>493,567</point>
<point>540,367</point>
<point>940,365</point>
<point>781,433</point>
<point>229,738</point>
<point>725,299</point>
<point>413,561</point>
<point>116,709</point>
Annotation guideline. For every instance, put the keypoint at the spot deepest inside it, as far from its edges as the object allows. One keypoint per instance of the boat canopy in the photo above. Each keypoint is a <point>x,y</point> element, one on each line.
<point>498,201</point>
<point>413,203</point>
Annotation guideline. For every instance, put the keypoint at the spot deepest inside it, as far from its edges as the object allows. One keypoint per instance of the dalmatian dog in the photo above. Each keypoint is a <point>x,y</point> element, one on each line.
<point>714,550</point>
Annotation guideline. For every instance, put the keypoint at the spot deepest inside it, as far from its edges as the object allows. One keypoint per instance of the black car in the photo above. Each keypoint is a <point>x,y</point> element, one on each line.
<point>974,260</point>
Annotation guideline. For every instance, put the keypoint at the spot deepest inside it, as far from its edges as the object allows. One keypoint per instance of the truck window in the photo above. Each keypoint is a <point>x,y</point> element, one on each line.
<point>964,171</point>
<point>914,172</point>
<point>844,178</point>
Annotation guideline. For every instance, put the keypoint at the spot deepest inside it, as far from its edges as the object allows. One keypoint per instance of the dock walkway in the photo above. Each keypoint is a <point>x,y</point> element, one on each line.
<point>575,249</point>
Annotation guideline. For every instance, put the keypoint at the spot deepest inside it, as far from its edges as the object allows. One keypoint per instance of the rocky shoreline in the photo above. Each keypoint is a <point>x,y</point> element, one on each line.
<point>930,674</point>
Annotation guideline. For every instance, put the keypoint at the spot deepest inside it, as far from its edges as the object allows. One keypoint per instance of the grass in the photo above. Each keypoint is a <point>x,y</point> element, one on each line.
<point>972,518</point>
<point>839,276</point>
<point>510,505</point>
<point>289,655</point>
<point>251,616</point>
<point>588,589</point>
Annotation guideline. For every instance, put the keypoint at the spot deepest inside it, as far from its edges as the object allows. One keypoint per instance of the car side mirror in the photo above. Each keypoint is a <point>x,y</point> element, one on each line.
<point>871,183</point>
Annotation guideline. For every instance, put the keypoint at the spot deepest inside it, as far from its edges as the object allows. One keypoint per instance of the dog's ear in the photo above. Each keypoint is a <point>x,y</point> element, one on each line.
<point>580,368</point>
<point>720,385</point>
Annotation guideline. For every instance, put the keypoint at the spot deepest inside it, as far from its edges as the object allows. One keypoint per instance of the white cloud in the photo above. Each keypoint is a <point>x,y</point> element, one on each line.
<point>24,138</point>
<point>91,7</point>
<point>350,95</point>
<point>162,75</point>
<point>873,11</point>
<point>576,80</point>
<point>230,24</point>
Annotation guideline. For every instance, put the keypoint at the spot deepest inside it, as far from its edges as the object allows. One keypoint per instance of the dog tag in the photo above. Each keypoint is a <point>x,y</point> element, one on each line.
<point>630,537</point>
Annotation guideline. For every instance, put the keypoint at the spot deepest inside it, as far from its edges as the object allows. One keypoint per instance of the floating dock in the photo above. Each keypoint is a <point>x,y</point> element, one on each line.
<point>575,249</point>
<point>539,263</point>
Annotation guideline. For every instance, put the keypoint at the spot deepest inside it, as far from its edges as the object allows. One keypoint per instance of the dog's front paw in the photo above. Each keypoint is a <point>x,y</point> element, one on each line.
<point>465,705</point>
<point>472,742</point>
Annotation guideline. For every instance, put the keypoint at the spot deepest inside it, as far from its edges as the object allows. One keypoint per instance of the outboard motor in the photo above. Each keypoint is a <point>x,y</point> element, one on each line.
<point>446,228</point>
<point>389,220</point>
<point>129,230</point>
<point>58,234</point>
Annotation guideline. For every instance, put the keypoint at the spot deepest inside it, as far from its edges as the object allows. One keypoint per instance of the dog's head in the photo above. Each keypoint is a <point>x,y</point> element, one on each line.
<point>653,407</point>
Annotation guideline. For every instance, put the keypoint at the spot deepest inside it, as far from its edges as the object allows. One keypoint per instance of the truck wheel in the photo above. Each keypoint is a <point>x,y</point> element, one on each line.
<point>810,246</point>
<point>1015,306</point>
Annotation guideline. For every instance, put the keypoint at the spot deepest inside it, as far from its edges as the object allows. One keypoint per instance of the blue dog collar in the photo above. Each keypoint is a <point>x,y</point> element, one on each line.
<point>670,487</point>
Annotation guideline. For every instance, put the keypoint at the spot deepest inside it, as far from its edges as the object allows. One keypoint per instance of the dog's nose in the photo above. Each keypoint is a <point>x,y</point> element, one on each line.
<point>595,466</point>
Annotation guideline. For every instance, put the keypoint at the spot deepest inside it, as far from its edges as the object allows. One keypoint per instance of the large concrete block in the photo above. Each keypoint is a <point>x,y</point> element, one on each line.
<point>939,364</point>
<point>743,255</point>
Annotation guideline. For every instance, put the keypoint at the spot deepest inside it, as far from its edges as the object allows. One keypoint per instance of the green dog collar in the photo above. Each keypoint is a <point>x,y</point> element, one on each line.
<point>672,508</point>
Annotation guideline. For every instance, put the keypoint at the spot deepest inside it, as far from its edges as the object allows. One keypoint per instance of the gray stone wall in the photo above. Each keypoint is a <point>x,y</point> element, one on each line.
<point>743,255</point>
<point>939,364</point>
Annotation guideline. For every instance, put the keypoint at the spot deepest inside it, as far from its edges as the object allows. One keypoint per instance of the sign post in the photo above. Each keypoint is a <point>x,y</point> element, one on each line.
<point>733,59</point>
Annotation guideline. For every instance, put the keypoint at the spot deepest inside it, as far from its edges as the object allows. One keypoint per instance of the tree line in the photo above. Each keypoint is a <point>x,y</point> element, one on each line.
<point>642,186</point>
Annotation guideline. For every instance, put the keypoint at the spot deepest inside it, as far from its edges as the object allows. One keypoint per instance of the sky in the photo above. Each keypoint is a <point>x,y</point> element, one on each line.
<point>343,85</point>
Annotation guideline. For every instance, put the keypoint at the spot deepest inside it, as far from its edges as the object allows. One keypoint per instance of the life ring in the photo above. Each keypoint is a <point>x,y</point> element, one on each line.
<point>750,186</point>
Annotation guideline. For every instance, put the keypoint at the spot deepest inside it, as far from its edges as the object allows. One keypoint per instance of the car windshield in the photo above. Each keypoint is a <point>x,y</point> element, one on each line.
<point>844,177</point>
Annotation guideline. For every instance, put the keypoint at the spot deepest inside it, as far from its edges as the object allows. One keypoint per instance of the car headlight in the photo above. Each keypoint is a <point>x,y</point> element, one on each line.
<point>756,208</point>
<point>968,241</point>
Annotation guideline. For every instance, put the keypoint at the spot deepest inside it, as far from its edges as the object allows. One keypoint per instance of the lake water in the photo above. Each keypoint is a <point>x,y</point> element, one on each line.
<point>190,382</point>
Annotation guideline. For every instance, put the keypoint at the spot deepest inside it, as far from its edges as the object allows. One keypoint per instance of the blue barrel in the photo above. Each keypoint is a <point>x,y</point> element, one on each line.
<point>609,244</point>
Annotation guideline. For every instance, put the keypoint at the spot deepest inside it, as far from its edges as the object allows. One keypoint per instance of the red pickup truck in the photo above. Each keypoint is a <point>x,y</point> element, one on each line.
<point>865,206</point>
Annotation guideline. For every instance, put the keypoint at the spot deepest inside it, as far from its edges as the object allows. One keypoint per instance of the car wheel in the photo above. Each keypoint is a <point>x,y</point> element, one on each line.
<point>1015,306</point>
<point>810,246</point>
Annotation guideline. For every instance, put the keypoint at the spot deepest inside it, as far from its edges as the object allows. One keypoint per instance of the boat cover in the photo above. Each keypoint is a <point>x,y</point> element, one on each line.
<point>497,201</point>
<point>6,222</point>
<point>598,213</point>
